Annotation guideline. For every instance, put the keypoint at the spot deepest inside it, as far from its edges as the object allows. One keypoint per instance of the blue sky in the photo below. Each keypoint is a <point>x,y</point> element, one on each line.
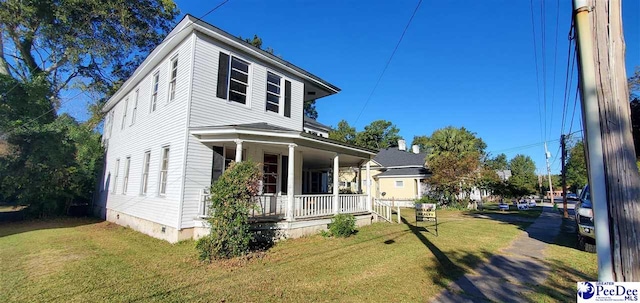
<point>461,63</point>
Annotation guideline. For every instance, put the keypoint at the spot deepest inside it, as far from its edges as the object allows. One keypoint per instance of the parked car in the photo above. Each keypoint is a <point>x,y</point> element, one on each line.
<point>584,222</point>
<point>572,197</point>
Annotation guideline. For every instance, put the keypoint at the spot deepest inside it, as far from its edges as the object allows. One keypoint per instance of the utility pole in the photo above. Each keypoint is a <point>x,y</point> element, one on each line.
<point>563,145</point>
<point>547,155</point>
<point>613,175</point>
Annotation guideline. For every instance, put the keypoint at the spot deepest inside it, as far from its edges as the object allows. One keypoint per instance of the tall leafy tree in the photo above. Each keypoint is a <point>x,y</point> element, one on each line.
<point>454,159</point>
<point>498,162</point>
<point>576,167</point>
<point>343,132</point>
<point>523,179</point>
<point>94,44</point>
<point>378,134</point>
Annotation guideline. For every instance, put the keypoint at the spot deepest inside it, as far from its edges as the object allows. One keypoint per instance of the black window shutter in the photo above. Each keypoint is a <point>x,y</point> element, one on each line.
<point>287,98</point>
<point>223,76</point>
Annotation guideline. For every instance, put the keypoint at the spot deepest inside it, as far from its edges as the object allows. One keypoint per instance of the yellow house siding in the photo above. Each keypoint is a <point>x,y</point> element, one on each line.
<point>407,191</point>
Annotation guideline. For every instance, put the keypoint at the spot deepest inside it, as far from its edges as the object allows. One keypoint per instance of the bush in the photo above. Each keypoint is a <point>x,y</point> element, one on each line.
<point>342,225</point>
<point>232,196</point>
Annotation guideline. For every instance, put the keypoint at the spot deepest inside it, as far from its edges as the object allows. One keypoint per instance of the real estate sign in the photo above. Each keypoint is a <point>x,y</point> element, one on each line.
<point>426,212</point>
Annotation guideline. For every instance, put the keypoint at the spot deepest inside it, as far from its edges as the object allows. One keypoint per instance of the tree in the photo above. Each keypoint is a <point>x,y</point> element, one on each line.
<point>378,134</point>
<point>576,167</point>
<point>523,180</point>
<point>454,160</point>
<point>310,109</point>
<point>343,132</point>
<point>94,44</point>
<point>452,140</point>
<point>421,141</point>
<point>498,162</point>
<point>634,96</point>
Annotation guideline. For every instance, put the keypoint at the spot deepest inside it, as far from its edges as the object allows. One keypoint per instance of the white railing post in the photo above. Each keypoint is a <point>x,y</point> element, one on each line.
<point>369,205</point>
<point>336,185</point>
<point>290,172</point>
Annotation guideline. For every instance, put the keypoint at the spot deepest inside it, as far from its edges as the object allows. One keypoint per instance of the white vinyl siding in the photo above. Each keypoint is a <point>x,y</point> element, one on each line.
<point>164,171</point>
<point>116,171</point>
<point>145,173</point>
<point>206,106</point>
<point>172,78</point>
<point>167,126</point>
<point>125,183</point>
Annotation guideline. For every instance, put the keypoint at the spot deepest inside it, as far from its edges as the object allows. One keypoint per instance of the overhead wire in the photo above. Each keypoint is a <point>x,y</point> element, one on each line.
<point>535,55</point>
<point>388,61</point>
<point>555,58</point>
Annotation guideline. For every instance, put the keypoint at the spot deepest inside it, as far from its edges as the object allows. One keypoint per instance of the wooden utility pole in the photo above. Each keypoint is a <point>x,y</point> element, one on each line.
<point>609,142</point>
<point>563,145</point>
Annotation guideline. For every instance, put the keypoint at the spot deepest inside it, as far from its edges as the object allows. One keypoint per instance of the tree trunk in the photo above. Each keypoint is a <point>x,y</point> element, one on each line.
<point>621,173</point>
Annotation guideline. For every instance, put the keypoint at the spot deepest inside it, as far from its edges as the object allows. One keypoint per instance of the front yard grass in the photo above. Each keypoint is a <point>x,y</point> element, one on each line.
<point>74,260</point>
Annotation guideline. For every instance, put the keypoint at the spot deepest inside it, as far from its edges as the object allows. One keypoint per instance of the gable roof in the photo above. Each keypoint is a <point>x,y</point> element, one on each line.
<point>393,157</point>
<point>190,24</point>
<point>406,172</point>
<point>315,124</point>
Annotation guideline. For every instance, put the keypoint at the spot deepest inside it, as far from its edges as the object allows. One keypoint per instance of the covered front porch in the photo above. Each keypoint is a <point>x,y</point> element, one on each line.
<point>300,171</point>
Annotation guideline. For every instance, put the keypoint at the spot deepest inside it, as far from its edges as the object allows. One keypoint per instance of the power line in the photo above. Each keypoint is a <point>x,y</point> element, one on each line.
<point>555,58</point>
<point>523,146</point>
<point>575,103</point>
<point>543,26</point>
<point>535,55</point>
<point>388,61</point>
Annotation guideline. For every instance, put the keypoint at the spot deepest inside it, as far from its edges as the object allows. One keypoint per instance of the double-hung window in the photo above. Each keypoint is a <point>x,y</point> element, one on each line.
<point>125,185</point>
<point>273,92</point>
<point>233,79</point>
<point>270,181</point>
<point>124,115</point>
<point>145,172</point>
<point>172,78</point>
<point>154,91</point>
<point>164,170</point>
<point>135,107</point>
<point>115,176</point>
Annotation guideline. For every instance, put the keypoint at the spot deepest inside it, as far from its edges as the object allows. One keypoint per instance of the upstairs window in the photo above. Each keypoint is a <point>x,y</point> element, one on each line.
<point>233,79</point>
<point>154,91</point>
<point>145,172</point>
<point>124,115</point>
<point>273,92</point>
<point>172,79</point>
<point>135,107</point>
<point>115,176</point>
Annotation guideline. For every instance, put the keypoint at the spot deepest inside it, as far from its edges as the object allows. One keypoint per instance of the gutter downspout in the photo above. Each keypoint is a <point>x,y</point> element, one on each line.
<point>593,142</point>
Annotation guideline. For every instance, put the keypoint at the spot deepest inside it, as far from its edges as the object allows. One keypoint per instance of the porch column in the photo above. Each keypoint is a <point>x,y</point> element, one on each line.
<point>369,206</point>
<point>336,184</point>
<point>290,178</point>
<point>359,179</point>
<point>238,150</point>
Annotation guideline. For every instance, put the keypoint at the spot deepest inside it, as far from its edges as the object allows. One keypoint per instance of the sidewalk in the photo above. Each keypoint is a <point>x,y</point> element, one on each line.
<point>514,271</point>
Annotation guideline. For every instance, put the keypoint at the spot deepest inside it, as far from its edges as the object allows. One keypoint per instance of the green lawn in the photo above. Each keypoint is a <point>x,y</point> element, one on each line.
<point>73,260</point>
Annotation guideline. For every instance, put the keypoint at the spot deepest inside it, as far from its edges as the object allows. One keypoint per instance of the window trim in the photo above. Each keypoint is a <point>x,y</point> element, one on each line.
<point>124,114</point>
<point>134,111</point>
<point>277,174</point>
<point>144,178</point>
<point>125,179</point>
<point>395,183</point>
<point>165,152</point>
<point>115,176</point>
<point>173,80</point>
<point>249,79</point>
<point>155,86</point>
<point>280,96</point>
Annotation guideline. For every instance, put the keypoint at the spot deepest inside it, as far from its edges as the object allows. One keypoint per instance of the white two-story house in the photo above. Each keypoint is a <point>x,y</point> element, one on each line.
<point>202,99</point>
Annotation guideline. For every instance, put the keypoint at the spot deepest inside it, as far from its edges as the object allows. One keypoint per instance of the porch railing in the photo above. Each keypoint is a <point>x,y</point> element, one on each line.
<point>312,205</point>
<point>305,206</point>
<point>353,203</point>
<point>382,209</point>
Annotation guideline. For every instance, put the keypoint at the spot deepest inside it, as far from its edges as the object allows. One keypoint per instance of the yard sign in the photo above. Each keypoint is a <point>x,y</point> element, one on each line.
<point>426,212</point>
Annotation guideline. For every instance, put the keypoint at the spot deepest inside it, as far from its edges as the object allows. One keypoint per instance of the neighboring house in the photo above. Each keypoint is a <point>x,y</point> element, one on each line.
<point>202,99</point>
<point>395,173</point>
